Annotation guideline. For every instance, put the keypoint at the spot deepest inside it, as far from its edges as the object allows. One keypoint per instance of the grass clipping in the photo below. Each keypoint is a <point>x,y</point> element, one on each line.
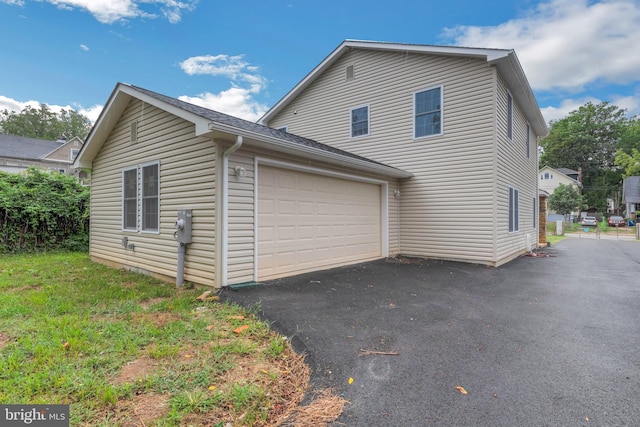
<point>325,408</point>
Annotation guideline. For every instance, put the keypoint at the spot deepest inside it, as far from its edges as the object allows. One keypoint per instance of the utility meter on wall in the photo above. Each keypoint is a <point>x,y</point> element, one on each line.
<point>183,226</point>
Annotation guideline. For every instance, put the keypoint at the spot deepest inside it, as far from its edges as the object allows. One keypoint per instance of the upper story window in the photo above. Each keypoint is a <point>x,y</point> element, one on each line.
<point>546,176</point>
<point>360,121</point>
<point>428,112</point>
<point>74,153</point>
<point>509,116</point>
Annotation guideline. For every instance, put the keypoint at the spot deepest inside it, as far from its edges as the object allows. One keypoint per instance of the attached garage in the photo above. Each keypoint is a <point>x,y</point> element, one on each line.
<point>310,220</point>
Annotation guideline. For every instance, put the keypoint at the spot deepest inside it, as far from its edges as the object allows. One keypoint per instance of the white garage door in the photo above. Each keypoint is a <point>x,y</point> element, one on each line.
<point>309,222</point>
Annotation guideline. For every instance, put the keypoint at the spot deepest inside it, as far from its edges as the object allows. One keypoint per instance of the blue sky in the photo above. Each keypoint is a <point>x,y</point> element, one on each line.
<point>240,57</point>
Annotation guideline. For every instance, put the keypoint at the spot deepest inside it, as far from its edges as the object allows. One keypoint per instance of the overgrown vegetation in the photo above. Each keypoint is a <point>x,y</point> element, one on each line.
<point>42,210</point>
<point>123,349</point>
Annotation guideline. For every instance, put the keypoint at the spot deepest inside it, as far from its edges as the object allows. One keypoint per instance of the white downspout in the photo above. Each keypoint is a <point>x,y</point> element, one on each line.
<point>224,231</point>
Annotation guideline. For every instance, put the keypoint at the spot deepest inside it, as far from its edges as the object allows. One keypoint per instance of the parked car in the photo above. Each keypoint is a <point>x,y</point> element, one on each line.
<point>616,221</point>
<point>589,220</point>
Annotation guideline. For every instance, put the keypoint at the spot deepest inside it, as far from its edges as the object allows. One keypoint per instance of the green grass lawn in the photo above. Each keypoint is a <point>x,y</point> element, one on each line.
<point>125,349</point>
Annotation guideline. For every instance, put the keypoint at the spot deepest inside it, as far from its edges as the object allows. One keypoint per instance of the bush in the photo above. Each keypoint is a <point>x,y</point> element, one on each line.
<point>41,210</point>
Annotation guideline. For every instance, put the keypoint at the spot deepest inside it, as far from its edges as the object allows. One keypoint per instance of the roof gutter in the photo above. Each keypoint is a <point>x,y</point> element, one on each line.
<point>224,232</point>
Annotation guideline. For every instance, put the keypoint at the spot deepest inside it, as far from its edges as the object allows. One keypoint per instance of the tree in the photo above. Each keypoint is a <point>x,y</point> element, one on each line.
<point>566,199</point>
<point>630,163</point>
<point>43,123</point>
<point>587,140</point>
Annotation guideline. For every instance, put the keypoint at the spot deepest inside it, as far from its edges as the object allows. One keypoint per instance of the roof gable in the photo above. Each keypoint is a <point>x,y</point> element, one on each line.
<point>559,172</point>
<point>505,60</point>
<point>216,124</point>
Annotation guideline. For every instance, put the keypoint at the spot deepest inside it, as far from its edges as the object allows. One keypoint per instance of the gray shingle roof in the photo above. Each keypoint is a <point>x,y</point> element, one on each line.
<point>250,126</point>
<point>19,147</point>
<point>631,189</point>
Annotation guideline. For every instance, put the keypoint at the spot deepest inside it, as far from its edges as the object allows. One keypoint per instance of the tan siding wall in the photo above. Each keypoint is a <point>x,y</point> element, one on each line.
<point>187,181</point>
<point>515,169</point>
<point>242,204</point>
<point>447,207</point>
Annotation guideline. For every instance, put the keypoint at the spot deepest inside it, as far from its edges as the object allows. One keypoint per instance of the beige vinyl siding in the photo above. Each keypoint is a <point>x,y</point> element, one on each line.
<point>241,256</point>
<point>447,207</point>
<point>241,220</point>
<point>187,181</point>
<point>516,170</point>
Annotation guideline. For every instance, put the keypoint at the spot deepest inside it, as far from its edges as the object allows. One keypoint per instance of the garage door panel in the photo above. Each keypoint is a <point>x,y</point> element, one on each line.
<point>318,222</point>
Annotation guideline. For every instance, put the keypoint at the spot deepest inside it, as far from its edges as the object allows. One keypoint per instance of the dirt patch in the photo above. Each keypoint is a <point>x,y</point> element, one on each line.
<point>4,339</point>
<point>136,370</point>
<point>152,301</point>
<point>141,410</point>
<point>25,288</point>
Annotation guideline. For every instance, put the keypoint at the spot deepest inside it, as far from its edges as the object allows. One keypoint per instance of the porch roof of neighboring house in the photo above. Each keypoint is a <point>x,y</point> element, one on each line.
<point>224,127</point>
<point>505,60</point>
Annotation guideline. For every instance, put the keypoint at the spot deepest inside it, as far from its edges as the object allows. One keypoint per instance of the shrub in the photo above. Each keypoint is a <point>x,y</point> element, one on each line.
<point>42,210</point>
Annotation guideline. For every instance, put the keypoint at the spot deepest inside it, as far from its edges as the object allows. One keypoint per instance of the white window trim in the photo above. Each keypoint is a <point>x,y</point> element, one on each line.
<point>135,229</point>
<point>441,87</point>
<point>71,156</point>
<point>141,189</point>
<point>368,121</point>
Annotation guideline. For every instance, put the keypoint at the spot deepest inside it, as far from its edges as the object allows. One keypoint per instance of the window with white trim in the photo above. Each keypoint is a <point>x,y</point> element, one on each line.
<point>360,121</point>
<point>509,116</point>
<point>151,197</point>
<point>130,199</point>
<point>428,112</point>
<point>514,196</point>
<point>74,153</point>
<point>141,198</point>
<point>535,213</point>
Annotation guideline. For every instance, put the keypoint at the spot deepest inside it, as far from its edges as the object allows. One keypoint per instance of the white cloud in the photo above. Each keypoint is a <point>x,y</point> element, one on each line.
<point>17,106</point>
<point>234,101</point>
<point>568,44</point>
<point>245,79</point>
<point>566,107</point>
<point>110,11</point>
<point>84,47</point>
<point>92,112</point>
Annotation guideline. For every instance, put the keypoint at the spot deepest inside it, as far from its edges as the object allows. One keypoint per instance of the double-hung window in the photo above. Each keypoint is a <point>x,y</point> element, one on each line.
<point>130,199</point>
<point>360,121</point>
<point>514,196</point>
<point>428,112</point>
<point>141,198</point>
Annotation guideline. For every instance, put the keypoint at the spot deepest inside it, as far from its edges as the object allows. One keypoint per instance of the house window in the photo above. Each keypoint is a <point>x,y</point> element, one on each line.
<point>428,112</point>
<point>513,209</point>
<point>149,194</point>
<point>509,116</point>
<point>130,199</point>
<point>360,121</point>
<point>74,153</point>
<point>151,197</point>
<point>528,141</point>
<point>283,128</point>
<point>535,213</point>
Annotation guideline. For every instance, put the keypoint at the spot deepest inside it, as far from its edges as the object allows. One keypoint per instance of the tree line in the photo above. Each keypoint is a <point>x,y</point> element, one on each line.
<point>603,143</point>
<point>44,123</point>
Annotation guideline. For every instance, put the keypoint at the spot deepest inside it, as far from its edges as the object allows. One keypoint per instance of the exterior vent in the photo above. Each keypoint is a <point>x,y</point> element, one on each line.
<point>134,132</point>
<point>350,74</point>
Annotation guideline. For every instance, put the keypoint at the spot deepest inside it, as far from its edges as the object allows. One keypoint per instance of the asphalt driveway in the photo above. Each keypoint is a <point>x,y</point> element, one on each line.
<point>545,341</point>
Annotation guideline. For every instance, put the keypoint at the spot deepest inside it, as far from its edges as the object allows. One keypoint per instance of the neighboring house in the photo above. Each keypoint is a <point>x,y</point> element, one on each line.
<point>463,121</point>
<point>18,153</point>
<point>264,203</point>
<point>551,178</point>
<point>631,195</point>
